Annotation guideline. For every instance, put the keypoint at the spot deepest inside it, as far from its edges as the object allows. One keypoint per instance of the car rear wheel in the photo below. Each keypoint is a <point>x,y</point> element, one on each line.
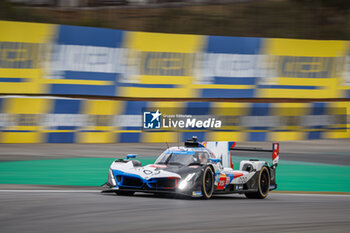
<point>208,183</point>
<point>263,185</point>
<point>124,193</point>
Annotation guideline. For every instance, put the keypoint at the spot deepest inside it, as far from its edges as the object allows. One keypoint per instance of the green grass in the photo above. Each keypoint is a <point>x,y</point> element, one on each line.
<point>291,176</point>
<point>77,171</point>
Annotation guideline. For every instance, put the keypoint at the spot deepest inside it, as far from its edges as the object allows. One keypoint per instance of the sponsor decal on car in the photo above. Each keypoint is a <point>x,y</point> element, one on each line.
<point>222,182</point>
<point>197,193</point>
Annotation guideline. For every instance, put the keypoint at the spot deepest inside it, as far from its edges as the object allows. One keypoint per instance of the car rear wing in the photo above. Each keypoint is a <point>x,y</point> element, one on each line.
<point>275,151</point>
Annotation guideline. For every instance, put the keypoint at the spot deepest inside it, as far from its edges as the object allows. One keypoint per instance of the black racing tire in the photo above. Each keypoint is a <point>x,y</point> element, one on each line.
<point>124,193</point>
<point>263,185</point>
<point>208,183</point>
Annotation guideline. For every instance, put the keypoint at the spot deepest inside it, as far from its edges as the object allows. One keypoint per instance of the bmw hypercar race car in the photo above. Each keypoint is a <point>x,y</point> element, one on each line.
<point>195,170</point>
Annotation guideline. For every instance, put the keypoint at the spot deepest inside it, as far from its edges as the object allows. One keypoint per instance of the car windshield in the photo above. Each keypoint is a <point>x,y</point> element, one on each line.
<point>182,157</point>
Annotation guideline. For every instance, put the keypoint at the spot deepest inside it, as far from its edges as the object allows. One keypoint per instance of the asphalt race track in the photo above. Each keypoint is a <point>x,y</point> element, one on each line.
<point>90,211</point>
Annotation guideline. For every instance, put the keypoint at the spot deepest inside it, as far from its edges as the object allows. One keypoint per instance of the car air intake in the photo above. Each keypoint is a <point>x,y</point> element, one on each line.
<point>163,183</point>
<point>132,181</point>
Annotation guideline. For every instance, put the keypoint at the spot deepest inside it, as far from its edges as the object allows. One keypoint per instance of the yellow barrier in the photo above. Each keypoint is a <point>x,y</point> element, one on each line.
<point>69,60</point>
<point>24,53</point>
<point>63,120</point>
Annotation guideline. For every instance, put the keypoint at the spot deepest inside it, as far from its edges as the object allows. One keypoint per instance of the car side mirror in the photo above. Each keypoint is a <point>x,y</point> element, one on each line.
<point>131,156</point>
<point>214,160</point>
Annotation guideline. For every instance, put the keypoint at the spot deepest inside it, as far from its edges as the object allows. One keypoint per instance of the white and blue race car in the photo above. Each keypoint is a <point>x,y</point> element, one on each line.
<point>197,170</point>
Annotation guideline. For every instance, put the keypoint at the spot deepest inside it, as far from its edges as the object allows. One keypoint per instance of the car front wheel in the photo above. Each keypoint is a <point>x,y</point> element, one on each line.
<point>208,183</point>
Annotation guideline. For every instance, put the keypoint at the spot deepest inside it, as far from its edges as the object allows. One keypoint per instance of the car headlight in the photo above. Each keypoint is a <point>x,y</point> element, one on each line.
<point>111,179</point>
<point>184,183</point>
